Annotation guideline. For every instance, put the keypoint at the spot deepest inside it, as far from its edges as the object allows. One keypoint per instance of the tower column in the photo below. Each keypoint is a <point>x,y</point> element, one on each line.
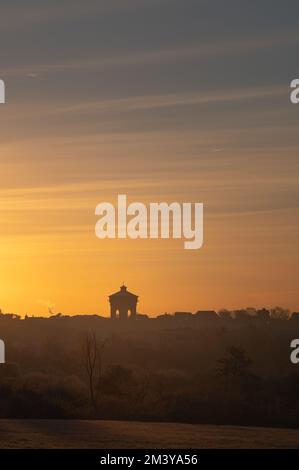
<point>133,311</point>
<point>113,311</point>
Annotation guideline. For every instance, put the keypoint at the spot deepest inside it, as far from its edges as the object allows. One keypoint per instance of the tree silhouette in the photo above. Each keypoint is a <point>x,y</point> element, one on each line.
<point>93,358</point>
<point>280,313</point>
<point>235,366</point>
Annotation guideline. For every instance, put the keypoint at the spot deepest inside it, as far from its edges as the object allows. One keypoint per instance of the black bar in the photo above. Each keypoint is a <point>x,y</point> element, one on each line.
<point>143,458</point>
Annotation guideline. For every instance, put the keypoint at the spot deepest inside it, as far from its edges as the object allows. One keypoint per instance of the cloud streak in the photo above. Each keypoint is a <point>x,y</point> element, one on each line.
<point>157,56</point>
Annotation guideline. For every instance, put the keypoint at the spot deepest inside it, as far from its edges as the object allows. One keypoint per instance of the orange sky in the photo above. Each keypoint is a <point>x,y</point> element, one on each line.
<point>89,119</point>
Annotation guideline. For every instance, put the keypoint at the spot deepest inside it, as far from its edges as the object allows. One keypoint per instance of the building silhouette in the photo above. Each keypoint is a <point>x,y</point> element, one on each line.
<point>123,304</point>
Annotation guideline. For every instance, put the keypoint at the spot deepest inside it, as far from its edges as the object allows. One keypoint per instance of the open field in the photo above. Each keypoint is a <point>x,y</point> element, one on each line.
<point>123,434</point>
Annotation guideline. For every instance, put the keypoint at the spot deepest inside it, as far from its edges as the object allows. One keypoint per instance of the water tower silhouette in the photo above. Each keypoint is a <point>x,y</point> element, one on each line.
<point>123,304</point>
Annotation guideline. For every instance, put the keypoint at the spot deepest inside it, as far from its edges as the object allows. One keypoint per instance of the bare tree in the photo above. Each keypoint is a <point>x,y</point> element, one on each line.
<point>93,358</point>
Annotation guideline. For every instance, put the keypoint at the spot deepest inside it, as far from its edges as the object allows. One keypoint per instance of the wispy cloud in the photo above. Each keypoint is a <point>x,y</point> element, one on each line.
<point>25,16</point>
<point>175,99</point>
<point>169,54</point>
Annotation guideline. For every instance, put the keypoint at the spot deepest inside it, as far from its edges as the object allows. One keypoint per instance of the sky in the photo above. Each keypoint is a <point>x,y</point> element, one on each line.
<point>162,100</point>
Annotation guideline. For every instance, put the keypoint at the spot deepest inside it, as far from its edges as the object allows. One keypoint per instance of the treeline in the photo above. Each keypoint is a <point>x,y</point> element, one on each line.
<point>221,372</point>
<point>249,313</point>
<point>232,394</point>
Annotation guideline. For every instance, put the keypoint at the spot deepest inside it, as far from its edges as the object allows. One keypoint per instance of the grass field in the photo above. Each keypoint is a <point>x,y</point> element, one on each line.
<point>123,434</point>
